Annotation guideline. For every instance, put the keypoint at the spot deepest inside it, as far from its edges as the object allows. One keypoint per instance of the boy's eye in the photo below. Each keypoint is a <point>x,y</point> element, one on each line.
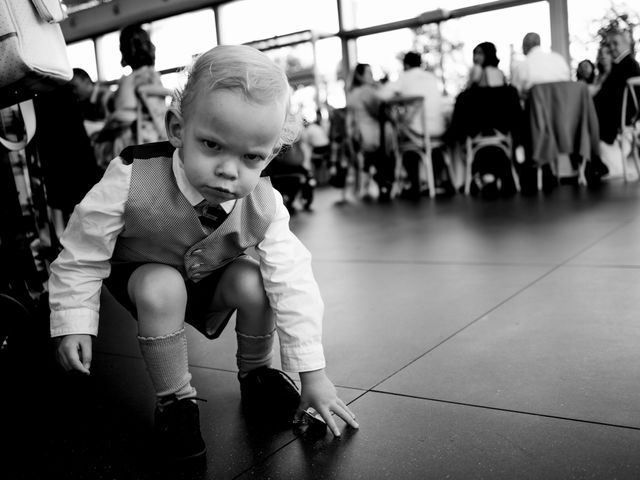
<point>253,158</point>
<point>211,144</point>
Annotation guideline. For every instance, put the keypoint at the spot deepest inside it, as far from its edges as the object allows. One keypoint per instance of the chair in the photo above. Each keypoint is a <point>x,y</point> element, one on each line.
<point>630,125</point>
<point>401,111</point>
<point>475,144</point>
<point>150,113</point>
<point>562,120</point>
<point>487,117</point>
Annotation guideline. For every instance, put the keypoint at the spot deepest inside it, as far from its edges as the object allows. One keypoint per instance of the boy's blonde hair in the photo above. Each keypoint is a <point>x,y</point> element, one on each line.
<point>242,69</point>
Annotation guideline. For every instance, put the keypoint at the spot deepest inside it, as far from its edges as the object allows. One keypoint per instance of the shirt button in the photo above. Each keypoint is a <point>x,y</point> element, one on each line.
<point>195,265</point>
<point>197,274</point>
<point>196,251</point>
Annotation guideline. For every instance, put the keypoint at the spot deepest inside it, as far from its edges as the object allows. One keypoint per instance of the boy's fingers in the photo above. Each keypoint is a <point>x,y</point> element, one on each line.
<point>344,405</point>
<point>85,354</point>
<point>331,423</point>
<point>346,416</point>
<point>76,364</point>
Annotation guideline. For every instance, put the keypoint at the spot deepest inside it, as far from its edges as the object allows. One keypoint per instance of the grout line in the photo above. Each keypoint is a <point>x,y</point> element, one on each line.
<point>437,262</point>
<point>518,292</point>
<point>508,410</point>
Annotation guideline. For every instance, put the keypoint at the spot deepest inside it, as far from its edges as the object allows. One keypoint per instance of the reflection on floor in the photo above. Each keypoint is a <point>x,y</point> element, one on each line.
<point>473,339</point>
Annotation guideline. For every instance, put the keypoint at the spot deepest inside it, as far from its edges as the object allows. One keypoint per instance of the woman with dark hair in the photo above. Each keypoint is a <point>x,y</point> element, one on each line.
<point>363,129</point>
<point>485,71</point>
<point>586,72</point>
<point>128,124</point>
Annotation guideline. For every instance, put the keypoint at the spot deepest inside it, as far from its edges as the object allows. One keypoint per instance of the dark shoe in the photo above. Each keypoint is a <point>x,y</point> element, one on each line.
<point>270,395</point>
<point>177,428</point>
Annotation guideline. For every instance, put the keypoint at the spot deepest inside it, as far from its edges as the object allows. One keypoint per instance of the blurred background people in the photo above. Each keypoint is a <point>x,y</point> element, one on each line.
<point>586,72</point>
<point>608,99</point>
<point>140,99</point>
<point>363,128</point>
<point>485,71</point>
<point>416,81</point>
<point>538,66</point>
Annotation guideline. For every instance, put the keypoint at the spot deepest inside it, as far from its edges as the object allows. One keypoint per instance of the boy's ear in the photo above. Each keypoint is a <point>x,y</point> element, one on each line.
<point>174,124</point>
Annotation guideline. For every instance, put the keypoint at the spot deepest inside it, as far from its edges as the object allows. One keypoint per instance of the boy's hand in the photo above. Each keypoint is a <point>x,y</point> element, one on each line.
<point>318,392</point>
<point>74,352</point>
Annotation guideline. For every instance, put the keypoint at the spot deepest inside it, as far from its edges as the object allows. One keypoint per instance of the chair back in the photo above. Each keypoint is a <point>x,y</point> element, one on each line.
<point>402,112</point>
<point>151,110</point>
<point>630,112</point>
<point>562,119</point>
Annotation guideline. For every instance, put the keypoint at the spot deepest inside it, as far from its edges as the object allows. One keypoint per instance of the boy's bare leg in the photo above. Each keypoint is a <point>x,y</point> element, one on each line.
<point>159,294</point>
<point>241,287</point>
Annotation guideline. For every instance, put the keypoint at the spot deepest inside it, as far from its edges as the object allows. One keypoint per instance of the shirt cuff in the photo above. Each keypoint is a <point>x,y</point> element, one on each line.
<point>302,359</point>
<point>76,321</point>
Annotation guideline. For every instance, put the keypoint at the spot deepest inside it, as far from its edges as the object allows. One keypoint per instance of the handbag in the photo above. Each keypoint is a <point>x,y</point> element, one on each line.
<point>33,53</point>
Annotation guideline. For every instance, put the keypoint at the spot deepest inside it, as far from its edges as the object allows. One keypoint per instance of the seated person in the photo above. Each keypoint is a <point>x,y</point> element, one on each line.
<point>485,71</point>
<point>608,100</point>
<point>538,66</point>
<point>485,111</point>
<point>291,178</point>
<point>416,81</point>
<point>586,72</point>
<point>93,98</point>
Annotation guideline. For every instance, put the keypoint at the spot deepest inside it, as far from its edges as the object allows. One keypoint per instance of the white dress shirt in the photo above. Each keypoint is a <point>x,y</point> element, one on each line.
<point>539,67</point>
<point>90,237</point>
<point>419,82</point>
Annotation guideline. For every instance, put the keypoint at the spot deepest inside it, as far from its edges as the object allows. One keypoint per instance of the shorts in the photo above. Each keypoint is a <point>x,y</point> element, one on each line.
<point>198,313</point>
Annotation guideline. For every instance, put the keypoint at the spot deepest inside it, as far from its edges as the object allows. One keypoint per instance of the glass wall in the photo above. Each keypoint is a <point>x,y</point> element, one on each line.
<point>447,47</point>
<point>178,39</point>
<point>82,55</point>
<point>243,21</point>
<point>367,13</point>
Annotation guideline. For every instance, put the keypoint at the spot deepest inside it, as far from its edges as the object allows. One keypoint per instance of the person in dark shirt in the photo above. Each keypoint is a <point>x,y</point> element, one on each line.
<point>608,100</point>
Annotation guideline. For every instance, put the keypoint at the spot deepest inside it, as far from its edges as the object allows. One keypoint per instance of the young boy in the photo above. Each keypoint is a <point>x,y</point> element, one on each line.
<point>139,230</point>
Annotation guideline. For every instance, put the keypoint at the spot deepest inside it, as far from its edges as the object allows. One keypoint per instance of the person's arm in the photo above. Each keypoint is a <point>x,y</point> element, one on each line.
<point>295,299</point>
<point>77,274</point>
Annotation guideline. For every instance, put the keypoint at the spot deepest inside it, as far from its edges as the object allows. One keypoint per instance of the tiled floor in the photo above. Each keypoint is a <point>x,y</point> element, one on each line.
<point>473,339</point>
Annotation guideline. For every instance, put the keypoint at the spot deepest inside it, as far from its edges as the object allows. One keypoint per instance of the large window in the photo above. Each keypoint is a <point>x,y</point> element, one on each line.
<point>82,55</point>
<point>245,20</point>
<point>367,13</point>
<point>179,38</point>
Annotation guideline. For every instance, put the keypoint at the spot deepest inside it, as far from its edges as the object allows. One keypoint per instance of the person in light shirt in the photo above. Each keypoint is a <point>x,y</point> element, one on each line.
<point>166,230</point>
<point>538,66</point>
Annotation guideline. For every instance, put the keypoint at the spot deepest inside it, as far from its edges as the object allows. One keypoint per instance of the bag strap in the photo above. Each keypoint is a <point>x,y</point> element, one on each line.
<point>29,118</point>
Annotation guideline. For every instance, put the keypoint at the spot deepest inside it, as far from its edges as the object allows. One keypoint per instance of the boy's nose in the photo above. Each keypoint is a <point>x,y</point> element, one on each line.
<point>227,168</point>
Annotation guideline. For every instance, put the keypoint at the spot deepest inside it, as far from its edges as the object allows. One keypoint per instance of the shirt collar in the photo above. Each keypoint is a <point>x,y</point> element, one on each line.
<point>620,57</point>
<point>191,194</point>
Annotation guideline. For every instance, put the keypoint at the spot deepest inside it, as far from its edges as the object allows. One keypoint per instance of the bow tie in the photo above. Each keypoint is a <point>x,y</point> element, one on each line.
<point>211,216</point>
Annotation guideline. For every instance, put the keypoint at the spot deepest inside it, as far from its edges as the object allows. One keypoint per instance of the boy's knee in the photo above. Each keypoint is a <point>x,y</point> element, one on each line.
<point>245,281</point>
<point>157,286</point>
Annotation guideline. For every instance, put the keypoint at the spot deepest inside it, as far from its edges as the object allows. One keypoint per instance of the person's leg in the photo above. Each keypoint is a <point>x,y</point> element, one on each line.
<point>241,287</point>
<point>268,395</point>
<point>411,162</point>
<point>159,295</point>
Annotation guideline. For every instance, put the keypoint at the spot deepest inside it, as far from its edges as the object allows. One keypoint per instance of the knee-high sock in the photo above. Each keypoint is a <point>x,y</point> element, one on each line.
<point>254,351</point>
<point>167,363</point>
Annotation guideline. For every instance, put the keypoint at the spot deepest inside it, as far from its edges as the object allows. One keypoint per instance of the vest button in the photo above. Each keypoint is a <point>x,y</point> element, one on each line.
<point>196,251</point>
<point>195,265</point>
<point>197,274</point>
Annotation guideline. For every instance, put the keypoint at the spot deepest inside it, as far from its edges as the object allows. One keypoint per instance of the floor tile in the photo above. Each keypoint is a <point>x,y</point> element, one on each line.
<point>409,438</point>
<point>567,346</point>
<point>620,248</point>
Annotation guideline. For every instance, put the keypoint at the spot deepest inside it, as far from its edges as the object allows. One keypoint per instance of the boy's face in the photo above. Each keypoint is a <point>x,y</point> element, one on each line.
<point>225,142</point>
